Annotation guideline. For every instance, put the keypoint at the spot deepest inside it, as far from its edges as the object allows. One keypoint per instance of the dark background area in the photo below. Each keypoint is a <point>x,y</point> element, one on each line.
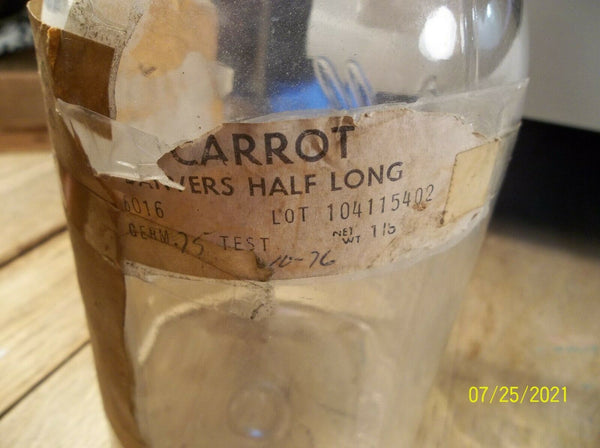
<point>8,7</point>
<point>553,180</point>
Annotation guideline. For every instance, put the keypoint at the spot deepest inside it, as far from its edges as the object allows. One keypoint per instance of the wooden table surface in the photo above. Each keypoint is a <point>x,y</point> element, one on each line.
<point>531,317</point>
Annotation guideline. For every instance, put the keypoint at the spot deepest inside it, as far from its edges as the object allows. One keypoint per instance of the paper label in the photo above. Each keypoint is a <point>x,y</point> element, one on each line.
<point>315,196</point>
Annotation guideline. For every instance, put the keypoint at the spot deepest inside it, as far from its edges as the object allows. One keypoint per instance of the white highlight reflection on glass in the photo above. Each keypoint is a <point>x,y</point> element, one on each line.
<point>438,37</point>
<point>491,26</point>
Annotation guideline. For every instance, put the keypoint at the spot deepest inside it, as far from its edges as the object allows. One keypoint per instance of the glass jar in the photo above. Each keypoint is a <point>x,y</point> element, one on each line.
<point>275,206</point>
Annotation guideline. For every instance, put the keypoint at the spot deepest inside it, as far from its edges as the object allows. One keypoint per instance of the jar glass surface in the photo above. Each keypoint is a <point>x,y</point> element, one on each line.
<point>340,54</point>
<point>340,358</point>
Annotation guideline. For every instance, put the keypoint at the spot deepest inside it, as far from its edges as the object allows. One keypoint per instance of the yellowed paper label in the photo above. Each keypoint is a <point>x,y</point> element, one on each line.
<point>469,187</point>
<point>317,196</point>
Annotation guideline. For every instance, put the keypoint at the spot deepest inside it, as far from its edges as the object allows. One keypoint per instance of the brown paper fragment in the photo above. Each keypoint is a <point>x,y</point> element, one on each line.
<point>80,80</point>
<point>53,37</point>
<point>167,78</point>
<point>101,281</point>
<point>103,292</point>
<point>119,236</point>
<point>192,27</point>
<point>48,44</point>
<point>471,178</point>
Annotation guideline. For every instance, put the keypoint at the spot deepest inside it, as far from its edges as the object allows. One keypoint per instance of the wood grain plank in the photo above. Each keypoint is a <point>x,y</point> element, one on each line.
<point>31,204</point>
<point>22,105</point>
<point>30,140</point>
<point>42,320</point>
<point>64,412</point>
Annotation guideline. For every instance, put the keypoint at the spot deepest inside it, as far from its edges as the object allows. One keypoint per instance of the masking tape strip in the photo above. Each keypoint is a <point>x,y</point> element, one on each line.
<point>303,195</point>
<point>471,180</point>
<point>118,235</point>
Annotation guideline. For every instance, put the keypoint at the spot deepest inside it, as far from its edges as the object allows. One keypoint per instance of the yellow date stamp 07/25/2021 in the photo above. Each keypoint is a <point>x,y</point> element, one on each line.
<point>517,394</point>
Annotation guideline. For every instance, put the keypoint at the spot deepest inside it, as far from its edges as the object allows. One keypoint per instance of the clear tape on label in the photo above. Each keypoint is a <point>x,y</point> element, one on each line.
<point>306,197</point>
<point>113,148</point>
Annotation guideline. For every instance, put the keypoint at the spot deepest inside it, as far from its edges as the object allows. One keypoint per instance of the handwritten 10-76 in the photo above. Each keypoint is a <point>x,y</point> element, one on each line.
<point>316,259</point>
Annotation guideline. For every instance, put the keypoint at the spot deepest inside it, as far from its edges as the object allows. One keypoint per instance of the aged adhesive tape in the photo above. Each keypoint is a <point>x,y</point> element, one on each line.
<point>307,197</point>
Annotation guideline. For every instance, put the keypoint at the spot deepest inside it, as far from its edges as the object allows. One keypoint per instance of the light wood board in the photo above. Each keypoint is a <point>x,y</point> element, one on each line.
<point>25,141</point>
<point>22,105</point>
<point>42,320</point>
<point>64,412</point>
<point>31,205</point>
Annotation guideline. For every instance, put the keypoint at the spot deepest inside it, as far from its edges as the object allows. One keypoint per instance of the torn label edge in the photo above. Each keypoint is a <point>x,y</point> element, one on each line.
<point>124,151</point>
